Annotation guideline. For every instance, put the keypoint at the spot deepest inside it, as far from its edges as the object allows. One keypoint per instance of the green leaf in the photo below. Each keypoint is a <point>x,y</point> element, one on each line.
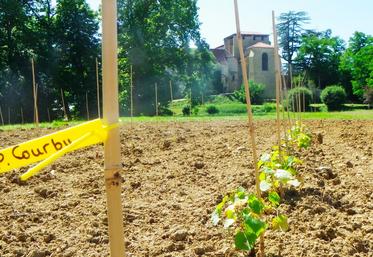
<point>294,182</point>
<point>229,212</point>
<point>283,175</point>
<point>253,225</point>
<point>265,157</point>
<point>240,193</point>
<point>228,223</point>
<point>264,186</point>
<point>255,204</point>
<point>215,218</point>
<point>244,241</point>
<point>262,176</point>
<point>280,223</point>
<point>220,206</point>
<point>274,198</point>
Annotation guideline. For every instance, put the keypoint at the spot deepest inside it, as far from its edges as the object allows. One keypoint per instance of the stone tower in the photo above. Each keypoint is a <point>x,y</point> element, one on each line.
<point>259,56</point>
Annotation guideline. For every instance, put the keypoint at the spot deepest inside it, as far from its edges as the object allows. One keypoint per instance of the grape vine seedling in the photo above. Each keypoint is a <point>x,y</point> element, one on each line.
<point>248,217</point>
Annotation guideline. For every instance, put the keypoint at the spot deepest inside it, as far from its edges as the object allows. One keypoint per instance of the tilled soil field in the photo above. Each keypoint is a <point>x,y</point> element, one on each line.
<point>174,175</point>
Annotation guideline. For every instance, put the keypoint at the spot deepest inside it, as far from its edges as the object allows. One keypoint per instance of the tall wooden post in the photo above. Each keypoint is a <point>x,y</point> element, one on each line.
<point>49,115</point>
<point>2,117</point>
<point>63,105</point>
<point>22,119</point>
<point>87,104</point>
<point>113,180</point>
<point>249,112</point>
<point>98,92</point>
<point>278,80</point>
<point>9,115</point>
<point>156,99</point>
<point>36,113</point>
<point>131,93</point>
<point>171,93</point>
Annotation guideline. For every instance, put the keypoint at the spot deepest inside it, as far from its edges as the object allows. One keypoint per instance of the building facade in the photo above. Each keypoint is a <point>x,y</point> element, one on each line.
<point>259,55</point>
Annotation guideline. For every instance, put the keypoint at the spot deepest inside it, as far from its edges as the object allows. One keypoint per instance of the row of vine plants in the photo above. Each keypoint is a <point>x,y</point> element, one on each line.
<point>247,216</point>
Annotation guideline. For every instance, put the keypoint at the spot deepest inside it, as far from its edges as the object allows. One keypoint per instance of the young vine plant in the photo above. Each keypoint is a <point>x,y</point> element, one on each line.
<point>248,216</point>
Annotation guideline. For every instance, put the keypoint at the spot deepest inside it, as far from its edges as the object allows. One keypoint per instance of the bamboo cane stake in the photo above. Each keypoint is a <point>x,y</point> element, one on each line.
<point>98,91</point>
<point>294,97</point>
<point>49,115</point>
<point>22,119</point>
<point>2,118</point>
<point>63,105</point>
<point>156,99</point>
<point>190,102</point>
<point>299,100</point>
<point>9,115</point>
<point>249,113</point>
<point>278,81</point>
<point>171,93</point>
<point>131,93</point>
<point>287,102</point>
<point>36,114</point>
<point>87,104</point>
<point>112,154</point>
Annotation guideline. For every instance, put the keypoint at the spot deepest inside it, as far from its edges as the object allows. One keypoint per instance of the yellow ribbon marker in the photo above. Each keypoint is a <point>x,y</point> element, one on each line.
<point>52,147</point>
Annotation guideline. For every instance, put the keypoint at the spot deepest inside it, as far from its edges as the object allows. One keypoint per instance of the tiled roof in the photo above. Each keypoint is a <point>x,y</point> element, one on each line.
<point>260,45</point>
<point>220,54</point>
<point>249,33</point>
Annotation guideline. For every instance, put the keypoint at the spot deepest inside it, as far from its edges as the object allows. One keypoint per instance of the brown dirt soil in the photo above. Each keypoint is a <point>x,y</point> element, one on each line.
<point>174,174</point>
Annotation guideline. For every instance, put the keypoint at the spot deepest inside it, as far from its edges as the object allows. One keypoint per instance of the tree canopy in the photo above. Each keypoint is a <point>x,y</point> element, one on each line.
<point>155,38</point>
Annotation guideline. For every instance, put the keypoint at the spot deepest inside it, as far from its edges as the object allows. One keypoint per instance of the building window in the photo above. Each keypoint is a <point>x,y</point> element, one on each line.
<point>264,61</point>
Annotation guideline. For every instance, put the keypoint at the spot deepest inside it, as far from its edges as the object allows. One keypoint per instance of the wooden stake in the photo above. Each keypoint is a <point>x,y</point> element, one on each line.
<point>2,118</point>
<point>190,103</point>
<point>36,113</point>
<point>299,100</point>
<point>49,115</point>
<point>113,165</point>
<point>156,99</point>
<point>131,93</point>
<point>9,115</point>
<point>98,92</point>
<point>249,113</point>
<point>87,104</point>
<point>171,93</point>
<point>278,80</point>
<point>63,105</point>
<point>22,119</point>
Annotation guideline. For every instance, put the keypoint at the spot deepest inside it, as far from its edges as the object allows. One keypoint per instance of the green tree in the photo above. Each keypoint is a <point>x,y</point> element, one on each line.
<point>319,55</point>
<point>15,71</point>
<point>290,30</point>
<point>77,48</point>
<point>154,37</point>
<point>357,63</point>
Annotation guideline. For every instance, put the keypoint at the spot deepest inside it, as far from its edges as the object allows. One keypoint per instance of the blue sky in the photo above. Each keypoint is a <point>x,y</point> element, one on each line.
<point>344,17</point>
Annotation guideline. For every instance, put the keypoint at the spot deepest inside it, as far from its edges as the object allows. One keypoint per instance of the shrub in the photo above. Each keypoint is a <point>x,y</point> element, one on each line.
<point>195,111</point>
<point>186,110</point>
<point>293,95</point>
<point>333,97</point>
<point>212,109</point>
<point>268,107</point>
<point>256,93</point>
<point>164,111</point>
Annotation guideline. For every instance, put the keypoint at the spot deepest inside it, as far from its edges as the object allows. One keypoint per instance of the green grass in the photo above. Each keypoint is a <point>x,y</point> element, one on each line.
<point>344,115</point>
<point>54,124</point>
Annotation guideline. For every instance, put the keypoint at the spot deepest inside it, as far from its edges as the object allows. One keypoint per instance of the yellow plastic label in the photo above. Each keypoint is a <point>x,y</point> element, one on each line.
<point>52,146</point>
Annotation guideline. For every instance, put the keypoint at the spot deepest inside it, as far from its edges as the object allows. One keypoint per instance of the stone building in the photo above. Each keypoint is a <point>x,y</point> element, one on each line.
<point>259,55</point>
